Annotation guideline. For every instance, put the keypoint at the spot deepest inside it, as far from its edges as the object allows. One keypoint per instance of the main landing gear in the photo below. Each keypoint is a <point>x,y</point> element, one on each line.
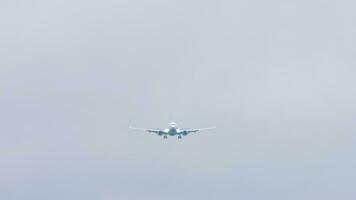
<point>165,137</point>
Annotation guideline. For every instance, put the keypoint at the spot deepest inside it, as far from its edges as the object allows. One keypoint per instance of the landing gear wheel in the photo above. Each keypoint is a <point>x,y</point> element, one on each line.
<point>179,137</point>
<point>165,137</point>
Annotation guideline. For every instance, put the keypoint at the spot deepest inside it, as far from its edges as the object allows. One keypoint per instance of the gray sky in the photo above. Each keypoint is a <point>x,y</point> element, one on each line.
<point>276,77</point>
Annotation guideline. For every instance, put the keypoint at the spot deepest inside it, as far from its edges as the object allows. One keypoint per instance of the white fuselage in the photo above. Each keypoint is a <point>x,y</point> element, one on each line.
<point>172,129</point>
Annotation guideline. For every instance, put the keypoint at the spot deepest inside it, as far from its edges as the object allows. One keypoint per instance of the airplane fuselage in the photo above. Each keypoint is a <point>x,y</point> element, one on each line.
<point>172,131</point>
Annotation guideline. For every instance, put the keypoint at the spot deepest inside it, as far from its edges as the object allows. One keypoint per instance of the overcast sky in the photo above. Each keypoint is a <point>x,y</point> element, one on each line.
<point>277,78</point>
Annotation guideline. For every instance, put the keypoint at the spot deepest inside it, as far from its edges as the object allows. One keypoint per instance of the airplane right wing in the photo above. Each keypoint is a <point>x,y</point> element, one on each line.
<point>157,131</point>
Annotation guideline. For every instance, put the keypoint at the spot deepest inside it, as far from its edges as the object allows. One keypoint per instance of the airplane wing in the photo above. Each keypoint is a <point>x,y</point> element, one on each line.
<point>187,131</point>
<point>157,131</point>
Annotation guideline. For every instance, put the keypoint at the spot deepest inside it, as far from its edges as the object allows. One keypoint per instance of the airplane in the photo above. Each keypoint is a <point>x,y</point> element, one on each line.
<point>172,130</point>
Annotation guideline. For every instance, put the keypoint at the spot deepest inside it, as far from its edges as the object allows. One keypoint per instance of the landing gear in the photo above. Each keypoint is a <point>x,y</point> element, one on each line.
<point>165,137</point>
<point>179,137</point>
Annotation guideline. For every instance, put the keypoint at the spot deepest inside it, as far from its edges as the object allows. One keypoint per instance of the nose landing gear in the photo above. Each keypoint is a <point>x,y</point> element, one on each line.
<point>165,137</point>
<point>179,137</point>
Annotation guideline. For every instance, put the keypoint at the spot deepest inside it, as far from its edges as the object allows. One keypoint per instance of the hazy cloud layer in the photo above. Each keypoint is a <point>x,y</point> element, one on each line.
<point>276,77</point>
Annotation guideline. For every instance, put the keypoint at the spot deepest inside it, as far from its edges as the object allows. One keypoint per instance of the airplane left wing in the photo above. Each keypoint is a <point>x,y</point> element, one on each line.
<point>187,131</point>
